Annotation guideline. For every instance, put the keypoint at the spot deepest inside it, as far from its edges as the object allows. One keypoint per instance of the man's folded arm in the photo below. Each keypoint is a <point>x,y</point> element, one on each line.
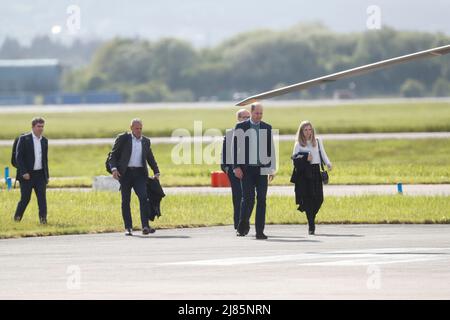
<point>152,162</point>
<point>115,154</point>
<point>20,158</point>
<point>235,149</point>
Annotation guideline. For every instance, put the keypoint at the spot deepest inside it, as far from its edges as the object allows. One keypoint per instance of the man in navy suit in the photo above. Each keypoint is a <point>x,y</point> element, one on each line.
<point>129,157</point>
<point>32,166</point>
<point>227,167</point>
<point>254,165</point>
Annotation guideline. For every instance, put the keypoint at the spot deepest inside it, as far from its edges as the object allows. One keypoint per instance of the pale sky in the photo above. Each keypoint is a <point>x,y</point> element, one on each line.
<point>207,22</point>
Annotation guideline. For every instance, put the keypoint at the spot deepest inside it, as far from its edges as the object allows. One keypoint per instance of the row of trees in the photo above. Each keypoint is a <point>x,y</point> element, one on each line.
<point>173,70</point>
<point>77,54</point>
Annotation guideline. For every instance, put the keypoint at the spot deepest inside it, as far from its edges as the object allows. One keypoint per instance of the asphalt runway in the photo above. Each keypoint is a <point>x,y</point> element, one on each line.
<point>120,107</point>
<point>210,139</point>
<point>340,262</point>
<point>328,190</point>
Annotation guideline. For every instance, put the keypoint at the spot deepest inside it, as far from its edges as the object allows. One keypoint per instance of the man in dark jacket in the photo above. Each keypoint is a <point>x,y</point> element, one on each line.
<point>254,165</point>
<point>227,167</point>
<point>32,169</point>
<point>129,157</point>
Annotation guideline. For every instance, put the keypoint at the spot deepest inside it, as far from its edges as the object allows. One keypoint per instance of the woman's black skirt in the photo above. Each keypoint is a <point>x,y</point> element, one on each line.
<point>311,198</point>
<point>316,184</point>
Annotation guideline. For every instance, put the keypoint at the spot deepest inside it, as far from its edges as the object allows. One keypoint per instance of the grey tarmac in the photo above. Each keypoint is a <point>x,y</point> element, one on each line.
<point>339,262</point>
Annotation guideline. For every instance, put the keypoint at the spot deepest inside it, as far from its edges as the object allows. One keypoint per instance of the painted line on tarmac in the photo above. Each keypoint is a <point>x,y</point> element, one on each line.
<point>369,262</point>
<point>355,258</point>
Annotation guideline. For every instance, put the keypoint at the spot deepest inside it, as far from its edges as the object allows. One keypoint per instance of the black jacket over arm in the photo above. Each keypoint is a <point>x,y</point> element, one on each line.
<point>121,154</point>
<point>155,193</point>
<point>25,156</point>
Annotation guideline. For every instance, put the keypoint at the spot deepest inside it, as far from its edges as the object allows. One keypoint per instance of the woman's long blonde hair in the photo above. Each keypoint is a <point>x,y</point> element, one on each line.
<point>301,137</point>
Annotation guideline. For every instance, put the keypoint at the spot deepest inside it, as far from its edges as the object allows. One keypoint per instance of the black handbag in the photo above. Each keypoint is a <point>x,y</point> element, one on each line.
<point>323,173</point>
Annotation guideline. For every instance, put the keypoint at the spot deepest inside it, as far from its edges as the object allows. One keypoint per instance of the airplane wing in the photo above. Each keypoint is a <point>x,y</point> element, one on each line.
<point>439,51</point>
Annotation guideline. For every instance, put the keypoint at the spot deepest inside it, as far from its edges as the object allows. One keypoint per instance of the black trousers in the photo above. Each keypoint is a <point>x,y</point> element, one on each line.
<point>253,181</point>
<point>312,207</point>
<point>134,178</point>
<point>38,182</point>
<point>313,202</point>
<point>236,192</point>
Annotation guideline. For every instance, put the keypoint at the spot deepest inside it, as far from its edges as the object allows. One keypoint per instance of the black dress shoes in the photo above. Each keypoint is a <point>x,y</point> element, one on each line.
<point>242,232</point>
<point>43,220</point>
<point>148,230</point>
<point>261,236</point>
<point>243,229</point>
<point>311,232</point>
<point>128,232</point>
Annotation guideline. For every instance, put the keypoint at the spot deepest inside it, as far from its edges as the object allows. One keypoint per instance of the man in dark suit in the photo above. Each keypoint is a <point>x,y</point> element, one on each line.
<point>32,167</point>
<point>129,157</point>
<point>254,165</point>
<point>227,167</point>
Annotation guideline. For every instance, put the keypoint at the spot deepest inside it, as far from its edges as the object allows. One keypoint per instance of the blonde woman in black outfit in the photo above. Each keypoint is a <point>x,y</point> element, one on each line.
<point>307,154</point>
